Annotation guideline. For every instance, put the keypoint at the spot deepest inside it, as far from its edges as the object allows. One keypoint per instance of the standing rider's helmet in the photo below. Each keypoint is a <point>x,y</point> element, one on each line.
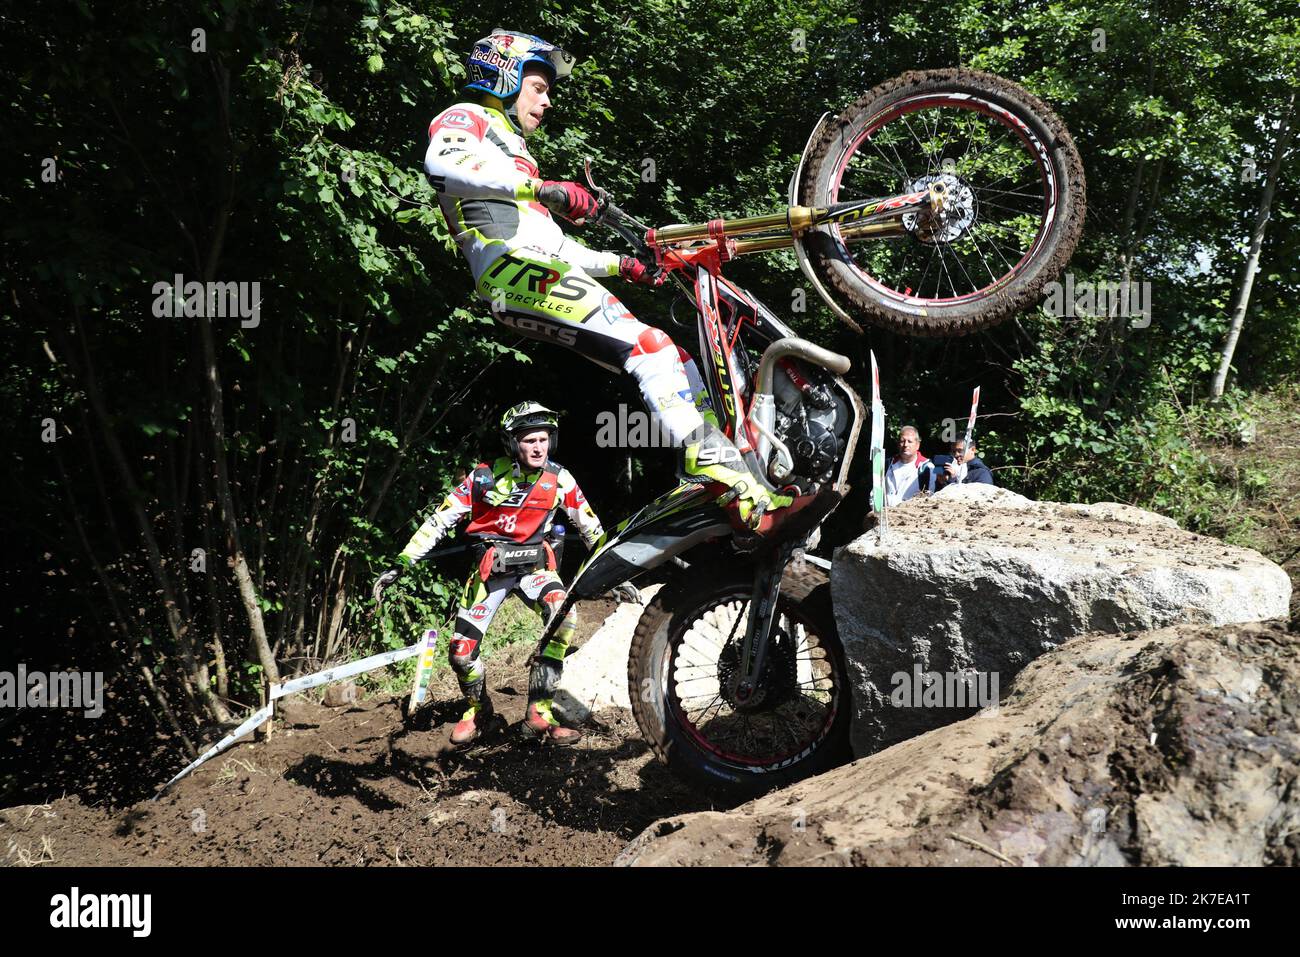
<point>524,418</point>
<point>496,65</point>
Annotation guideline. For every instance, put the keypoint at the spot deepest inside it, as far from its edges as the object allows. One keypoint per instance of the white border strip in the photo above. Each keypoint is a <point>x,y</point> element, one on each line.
<point>255,720</point>
<point>344,671</point>
<point>263,714</point>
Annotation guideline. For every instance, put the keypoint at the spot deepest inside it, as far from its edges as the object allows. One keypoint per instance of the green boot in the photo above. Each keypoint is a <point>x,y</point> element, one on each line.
<point>709,456</point>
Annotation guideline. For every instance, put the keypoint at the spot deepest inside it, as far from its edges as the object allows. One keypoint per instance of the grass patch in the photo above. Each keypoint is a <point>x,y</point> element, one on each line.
<point>513,623</point>
<point>1254,447</point>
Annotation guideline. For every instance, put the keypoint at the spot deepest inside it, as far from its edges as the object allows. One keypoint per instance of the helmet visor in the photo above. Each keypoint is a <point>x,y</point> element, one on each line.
<point>561,61</point>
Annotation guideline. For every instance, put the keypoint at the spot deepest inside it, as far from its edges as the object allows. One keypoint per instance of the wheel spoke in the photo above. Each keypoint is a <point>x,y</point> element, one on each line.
<point>785,717</point>
<point>902,170</point>
<point>995,214</point>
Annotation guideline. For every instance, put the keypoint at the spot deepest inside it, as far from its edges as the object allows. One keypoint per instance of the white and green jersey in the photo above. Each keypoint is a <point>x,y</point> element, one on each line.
<point>482,170</point>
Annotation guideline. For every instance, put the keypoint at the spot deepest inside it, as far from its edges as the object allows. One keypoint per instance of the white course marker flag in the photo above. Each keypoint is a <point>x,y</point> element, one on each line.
<point>877,450</point>
<point>255,720</point>
<point>263,714</point>
<point>345,671</point>
<point>970,423</point>
<point>423,669</point>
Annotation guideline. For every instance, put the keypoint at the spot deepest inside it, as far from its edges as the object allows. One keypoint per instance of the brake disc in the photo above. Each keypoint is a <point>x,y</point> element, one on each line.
<point>958,213</point>
<point>777,683</point>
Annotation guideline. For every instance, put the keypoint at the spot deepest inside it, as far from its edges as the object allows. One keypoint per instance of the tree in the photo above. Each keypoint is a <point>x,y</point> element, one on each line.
<point>1281,141</point>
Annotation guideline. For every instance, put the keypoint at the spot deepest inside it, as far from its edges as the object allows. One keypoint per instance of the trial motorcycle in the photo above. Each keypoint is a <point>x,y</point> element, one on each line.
<point>937,204</point>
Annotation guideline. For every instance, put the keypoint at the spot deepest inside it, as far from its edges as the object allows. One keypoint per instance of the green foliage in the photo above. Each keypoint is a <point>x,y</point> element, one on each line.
<point>1166,108</point>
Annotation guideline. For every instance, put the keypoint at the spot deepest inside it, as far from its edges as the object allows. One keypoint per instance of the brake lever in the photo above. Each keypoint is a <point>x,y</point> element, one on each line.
<point>602,196</point>
<point>611,217</point>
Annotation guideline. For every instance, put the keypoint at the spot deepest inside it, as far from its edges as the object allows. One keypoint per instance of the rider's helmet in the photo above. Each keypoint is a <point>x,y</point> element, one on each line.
<point>528,417</point>
<point>496,65</point>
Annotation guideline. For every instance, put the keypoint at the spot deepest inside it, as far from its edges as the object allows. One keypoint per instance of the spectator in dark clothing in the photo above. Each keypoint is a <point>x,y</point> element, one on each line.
<point>963,467</point>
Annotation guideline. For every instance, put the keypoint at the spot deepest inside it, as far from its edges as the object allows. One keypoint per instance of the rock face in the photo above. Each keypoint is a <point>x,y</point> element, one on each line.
<point>970,585</point>
<point>595,676</point>
<point>1174,747</point>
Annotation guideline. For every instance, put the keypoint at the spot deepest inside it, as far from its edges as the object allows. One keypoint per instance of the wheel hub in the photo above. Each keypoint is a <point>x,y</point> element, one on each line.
<point>775,685</point>
<point>955,217</point>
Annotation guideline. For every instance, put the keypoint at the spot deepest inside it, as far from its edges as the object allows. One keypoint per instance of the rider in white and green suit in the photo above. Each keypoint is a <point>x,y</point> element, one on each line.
<point>540,281</point>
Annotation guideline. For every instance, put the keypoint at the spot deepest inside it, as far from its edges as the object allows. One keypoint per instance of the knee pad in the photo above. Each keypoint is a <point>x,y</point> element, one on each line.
<point>461,654</point>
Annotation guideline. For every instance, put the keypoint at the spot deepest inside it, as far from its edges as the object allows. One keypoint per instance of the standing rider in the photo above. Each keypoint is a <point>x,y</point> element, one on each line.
<point>510,506</point>
<point>539,281</point>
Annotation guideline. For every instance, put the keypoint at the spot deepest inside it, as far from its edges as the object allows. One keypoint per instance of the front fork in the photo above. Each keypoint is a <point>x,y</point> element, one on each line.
<point>758,628</point>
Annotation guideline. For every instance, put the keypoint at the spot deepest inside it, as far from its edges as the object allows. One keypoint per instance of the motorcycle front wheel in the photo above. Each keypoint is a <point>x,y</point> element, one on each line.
<point>1014,207</point>
<point>684,663</point>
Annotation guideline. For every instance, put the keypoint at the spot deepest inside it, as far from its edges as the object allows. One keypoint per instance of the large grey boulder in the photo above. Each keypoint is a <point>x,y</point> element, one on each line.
<point>968,586</point>
<point>595,676</point>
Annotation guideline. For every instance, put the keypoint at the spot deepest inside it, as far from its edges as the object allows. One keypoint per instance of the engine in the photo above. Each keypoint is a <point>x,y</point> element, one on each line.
<point>812,419</point>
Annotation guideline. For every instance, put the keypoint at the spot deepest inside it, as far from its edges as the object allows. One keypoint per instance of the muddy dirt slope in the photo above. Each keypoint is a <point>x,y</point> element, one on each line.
<point>1172,747</point>
<point>352,786</point>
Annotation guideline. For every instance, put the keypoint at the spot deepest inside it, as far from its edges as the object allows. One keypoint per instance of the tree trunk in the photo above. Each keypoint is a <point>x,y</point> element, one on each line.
<point>226,503</point>
<point>216,416</point>
<point>1252,258</point>
<point>218,650</point>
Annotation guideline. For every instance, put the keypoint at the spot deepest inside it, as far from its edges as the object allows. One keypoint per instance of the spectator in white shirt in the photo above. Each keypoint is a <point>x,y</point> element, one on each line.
<point>909,470</point>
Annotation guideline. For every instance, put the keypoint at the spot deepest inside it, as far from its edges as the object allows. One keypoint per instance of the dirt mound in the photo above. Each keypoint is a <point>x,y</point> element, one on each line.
<point>1174,747</point>
<point>353,786</point>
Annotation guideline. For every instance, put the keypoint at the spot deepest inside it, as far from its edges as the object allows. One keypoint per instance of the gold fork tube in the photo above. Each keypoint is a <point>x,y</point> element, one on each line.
<point>795,218</point>
<point>850,234</point>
